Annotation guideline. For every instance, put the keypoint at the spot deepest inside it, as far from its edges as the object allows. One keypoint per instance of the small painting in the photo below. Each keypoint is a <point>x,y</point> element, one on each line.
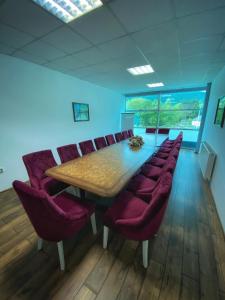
<point>80,112</point>
<point>220,112</point>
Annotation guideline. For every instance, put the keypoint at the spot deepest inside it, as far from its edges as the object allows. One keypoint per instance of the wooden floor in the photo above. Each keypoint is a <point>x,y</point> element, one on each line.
<point>187,258</point>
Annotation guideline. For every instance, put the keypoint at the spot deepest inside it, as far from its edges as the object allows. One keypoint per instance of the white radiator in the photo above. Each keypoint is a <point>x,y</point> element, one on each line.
<point>206,160</point>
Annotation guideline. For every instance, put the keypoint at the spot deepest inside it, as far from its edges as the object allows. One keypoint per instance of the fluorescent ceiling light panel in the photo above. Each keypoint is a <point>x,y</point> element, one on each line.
<point>68,10</point>
<point>157,84</point>
<point>141,70</point>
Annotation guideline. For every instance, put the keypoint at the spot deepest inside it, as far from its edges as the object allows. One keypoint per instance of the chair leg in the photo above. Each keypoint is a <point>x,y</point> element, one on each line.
<point>105,236</point>
<point>93,223</point>
<point>39,244</point>
<point>61,255</point>
<point>145,253</point>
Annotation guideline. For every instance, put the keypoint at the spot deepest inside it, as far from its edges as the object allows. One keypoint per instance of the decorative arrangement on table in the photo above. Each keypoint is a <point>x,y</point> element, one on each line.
<point>135,142</point>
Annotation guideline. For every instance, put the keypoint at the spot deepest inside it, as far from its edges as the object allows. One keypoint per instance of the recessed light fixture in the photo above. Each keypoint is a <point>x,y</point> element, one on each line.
<point>68,10</point>
<point>141,70</point>
<point>157,84</point>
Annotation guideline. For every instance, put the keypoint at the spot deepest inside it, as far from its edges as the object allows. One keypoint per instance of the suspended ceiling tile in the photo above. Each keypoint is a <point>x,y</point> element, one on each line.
<point>136,15</point>
<point>4,49</point>
<point>66,40</point>
<point>28,17</point>
<point>98,26</point>
<point>202,25</point>
<point>44,50</point>
<point>12,37</point>
<point>184,7</point>
<point>29,57</point>
<point>119,47</point>
<point>200,46</point>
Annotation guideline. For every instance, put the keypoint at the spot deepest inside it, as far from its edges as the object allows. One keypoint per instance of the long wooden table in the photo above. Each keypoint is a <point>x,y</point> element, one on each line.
<point>104,172</point>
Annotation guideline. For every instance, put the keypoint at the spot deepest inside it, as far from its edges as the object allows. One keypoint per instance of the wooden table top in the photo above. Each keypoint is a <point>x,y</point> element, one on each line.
<point>104,172</point>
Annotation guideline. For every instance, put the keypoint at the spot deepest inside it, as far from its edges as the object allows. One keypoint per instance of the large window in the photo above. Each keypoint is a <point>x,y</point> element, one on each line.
<point>177,110</point>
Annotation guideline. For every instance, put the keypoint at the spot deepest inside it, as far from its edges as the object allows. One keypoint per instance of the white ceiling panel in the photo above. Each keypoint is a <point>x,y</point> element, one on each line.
<point>184,7</point>
<point>28,56</point>
<point>44,50</point>
<point>162,40</point>
<point>136,15</point>
<point>200,46</point>
<point>92,56</point>
<point>119,47</point>
<point>12,37</point>
<point>69,62</point>
<point>28,17</point>
<point>202,25</point>
<point>6,49</point>
<point>66,40</point>
<point>98,26</point>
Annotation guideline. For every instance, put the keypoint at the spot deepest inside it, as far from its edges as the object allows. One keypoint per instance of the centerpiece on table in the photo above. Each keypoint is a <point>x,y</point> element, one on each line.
<point>136,142</point>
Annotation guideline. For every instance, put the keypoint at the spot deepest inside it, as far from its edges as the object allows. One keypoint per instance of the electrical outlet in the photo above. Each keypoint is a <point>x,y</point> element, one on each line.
<point>1,170</point>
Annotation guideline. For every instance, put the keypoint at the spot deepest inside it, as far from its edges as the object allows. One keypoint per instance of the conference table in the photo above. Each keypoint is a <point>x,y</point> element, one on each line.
<point>104,172</point>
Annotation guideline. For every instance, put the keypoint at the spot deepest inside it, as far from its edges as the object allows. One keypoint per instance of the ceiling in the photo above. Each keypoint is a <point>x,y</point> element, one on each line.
<point>183,40</point>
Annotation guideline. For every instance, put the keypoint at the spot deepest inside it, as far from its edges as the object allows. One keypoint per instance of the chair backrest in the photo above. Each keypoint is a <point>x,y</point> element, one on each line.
<point>119,137</point>
<point>100,143</point>
<point>36,164</point>
<point>159,197</point>
<point>150,130</point>
<point>86,147</point>
<point>163,131</point>
<point>110,139</point>
<point>46,217</point>
<point>68,152</point>
<point>125,134</point>
<point>130,132</point>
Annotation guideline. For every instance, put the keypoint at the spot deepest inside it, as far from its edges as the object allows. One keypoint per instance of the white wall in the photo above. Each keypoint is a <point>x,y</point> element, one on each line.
<point>36,113</point>
<point>215,136</point>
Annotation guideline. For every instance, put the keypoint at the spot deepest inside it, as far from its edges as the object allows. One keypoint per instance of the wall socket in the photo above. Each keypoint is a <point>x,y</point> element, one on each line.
<point>1,170</point>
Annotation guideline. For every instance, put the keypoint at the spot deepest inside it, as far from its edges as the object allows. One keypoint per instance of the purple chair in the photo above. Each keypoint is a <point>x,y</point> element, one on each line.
<point>130,132</point>
<point>100,143</point>
<point>155,172</point>
<point>135,219</point>
<point>68,152</point>
<point>119,137</point>
<point>55,218</point>
<point>163,131</point>
<point>110,139</point>
<point>36,164</point>
<point>86,147</point>
<point>150,130</point>
<point>125,134</point>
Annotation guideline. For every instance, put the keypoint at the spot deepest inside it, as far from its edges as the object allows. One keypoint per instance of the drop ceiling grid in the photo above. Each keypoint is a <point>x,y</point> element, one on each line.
<point>115,48</point>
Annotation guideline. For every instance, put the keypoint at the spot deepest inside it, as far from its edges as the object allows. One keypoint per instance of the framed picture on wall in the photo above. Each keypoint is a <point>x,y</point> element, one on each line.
<point>220,112</point>
<point>80,112</point>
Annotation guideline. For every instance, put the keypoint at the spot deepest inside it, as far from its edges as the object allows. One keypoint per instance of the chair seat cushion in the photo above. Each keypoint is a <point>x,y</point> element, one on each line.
<point>52,186</point>
<point>126,206</point>
<point>151,171</point>
<point>72,205</point>
<point>165,149</point>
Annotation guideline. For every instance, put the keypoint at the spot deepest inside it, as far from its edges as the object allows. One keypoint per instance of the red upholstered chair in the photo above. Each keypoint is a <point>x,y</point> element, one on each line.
<point>86,147</point>
<point>36,164</point>
<point>125,134</point>
<point>54,218</point>
<point>110,139</point>
<point>155,172</point>
<point>119,137</point>
<point>100,143</point>
<point>163,131</point>
<point>68,152</point>
<point>150,130</point>
<point>135,219</point>
<point>130,132</point>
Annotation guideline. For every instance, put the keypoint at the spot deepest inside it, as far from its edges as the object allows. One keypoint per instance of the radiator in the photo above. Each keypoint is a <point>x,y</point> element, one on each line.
<point>207,159</point>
